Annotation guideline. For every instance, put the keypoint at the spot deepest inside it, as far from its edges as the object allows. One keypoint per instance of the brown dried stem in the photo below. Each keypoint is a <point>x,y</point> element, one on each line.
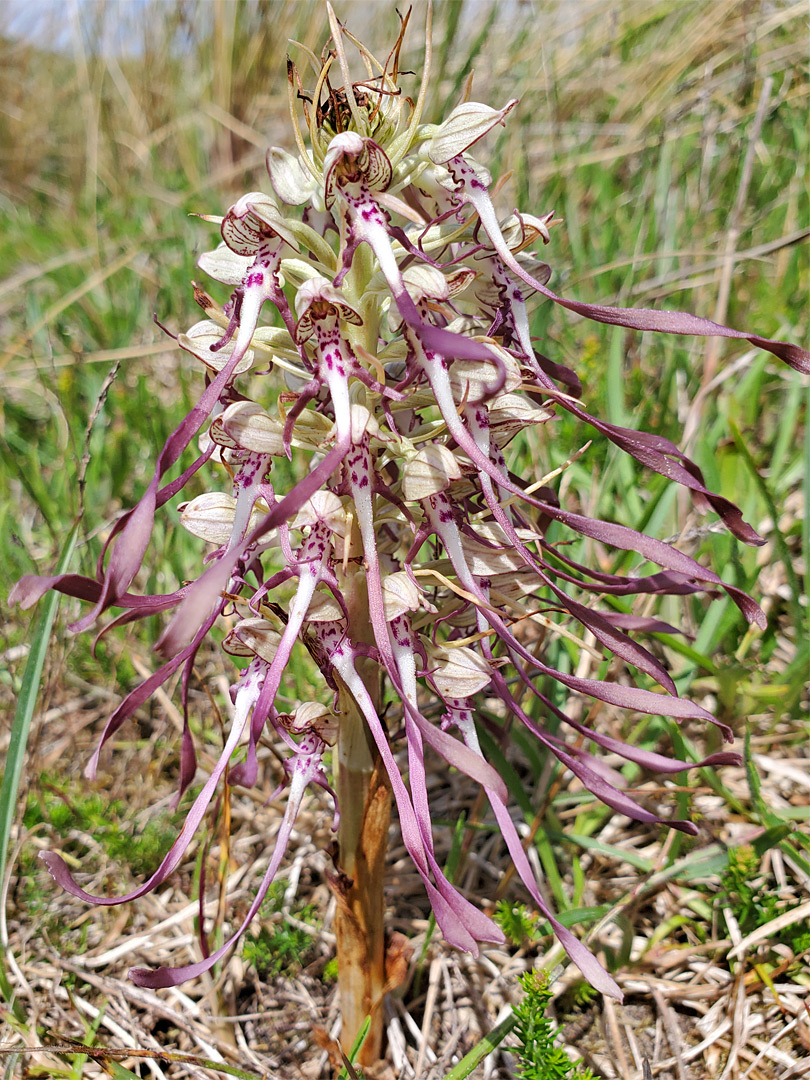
<point>364,798</point>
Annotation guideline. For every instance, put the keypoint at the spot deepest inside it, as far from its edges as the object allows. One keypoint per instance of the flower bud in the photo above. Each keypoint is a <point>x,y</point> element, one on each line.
<point>522,230</point>
<point>458,673</point>
<point>291,181</point>
<point>485,561</point>
<point>432,470</point>
<point>246,426</point>
<point>311,716</point>
<point>515,586</point>
<point>325,507</point>
<point>425,282</point>
<point>251,221</point>
<point>253,637</point>
<point>211,517</point>
<point>312,429</point>
<point>511,413</point>
<point>277,340</point>
<point>400,594</point>
<point>225,265</point>
<point>469,379</point>
<point>323,608</point>
<point>465,125</point>
<point>199,341</point>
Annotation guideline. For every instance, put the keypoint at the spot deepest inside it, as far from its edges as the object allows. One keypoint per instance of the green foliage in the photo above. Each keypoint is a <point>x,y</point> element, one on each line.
<point>517,922</point>
<point>538,1057</point>
<point>755,900</point>
<point>751,902</point>
<point>68,811</point>
<point>578,997</point>
<point>280,947</point>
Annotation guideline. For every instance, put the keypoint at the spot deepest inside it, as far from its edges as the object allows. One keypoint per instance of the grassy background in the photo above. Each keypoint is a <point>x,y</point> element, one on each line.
<point>672,138</point>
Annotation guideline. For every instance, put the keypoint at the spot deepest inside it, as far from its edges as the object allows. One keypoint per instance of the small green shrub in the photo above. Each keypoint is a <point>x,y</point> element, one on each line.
<point>539,1058</point>
<point>755,901</point>
<point>517,922</point>
<point>106,820</point>
<point>280,947</point>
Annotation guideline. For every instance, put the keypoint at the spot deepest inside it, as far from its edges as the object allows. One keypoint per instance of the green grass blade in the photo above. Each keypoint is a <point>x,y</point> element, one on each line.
<point>350,1059</point>
<point>806,492</point>
<point>21,726</point>
<point>491,1041</point>
<point>610,851</point>
<point>11,1067</point>
<point>119,1072</point>
<point>779,540</point>
<point>766,816</point>
<point>470,57</point>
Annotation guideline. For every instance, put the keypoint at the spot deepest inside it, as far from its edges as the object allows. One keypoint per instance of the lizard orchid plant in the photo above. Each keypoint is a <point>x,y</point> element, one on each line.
<point>408,555</point>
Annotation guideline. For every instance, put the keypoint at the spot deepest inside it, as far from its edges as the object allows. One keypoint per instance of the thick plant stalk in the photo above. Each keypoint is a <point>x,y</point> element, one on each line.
<point>359,924</point>
<point>364,797</point>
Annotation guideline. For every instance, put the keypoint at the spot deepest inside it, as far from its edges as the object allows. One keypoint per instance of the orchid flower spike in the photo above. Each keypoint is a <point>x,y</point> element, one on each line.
<point>400,366</point>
